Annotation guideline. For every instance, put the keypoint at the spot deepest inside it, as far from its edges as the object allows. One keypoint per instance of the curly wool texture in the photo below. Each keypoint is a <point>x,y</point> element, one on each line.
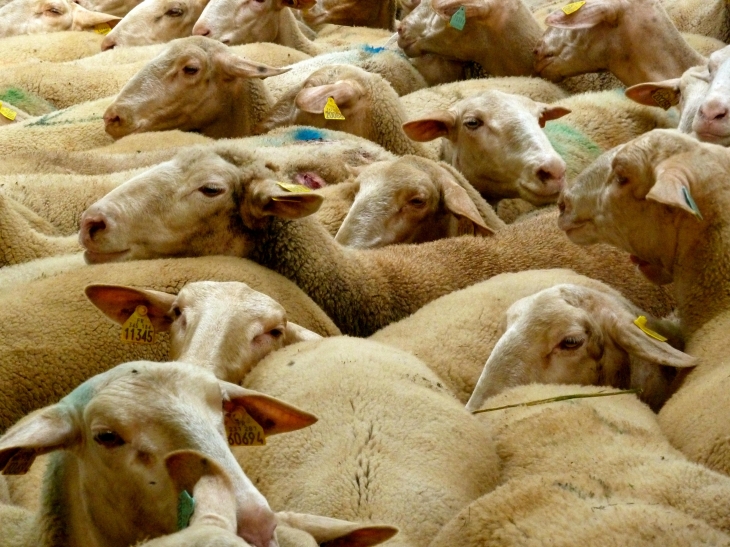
<point>391,444</point>
<point>707,17</point>
<point>455,334</point>
<point>54,47</point>
<point>59,339</point>
<point>591,472</point>
<point>31,104</point>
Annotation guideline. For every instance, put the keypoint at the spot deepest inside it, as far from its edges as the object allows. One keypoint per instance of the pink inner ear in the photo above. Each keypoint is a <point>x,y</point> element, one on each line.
<point>310,180</point>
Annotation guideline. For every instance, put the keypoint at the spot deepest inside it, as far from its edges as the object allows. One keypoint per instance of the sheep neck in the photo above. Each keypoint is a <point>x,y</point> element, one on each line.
<point>290,35</point>
<point>244,105</point>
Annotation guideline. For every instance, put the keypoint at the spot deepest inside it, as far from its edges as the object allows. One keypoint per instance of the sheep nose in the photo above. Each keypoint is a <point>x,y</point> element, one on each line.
<point>108,43</point>
<point>111,118</point>
<point>552,173</point>
<point>714,110</point>
<point>201,30</point>
<point>91,227</point>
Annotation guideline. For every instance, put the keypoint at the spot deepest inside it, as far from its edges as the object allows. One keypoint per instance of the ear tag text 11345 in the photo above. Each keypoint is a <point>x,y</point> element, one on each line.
<point>458,20</point>
<point>138,328</point>
<point>331,111</point>
<point>242,429</point>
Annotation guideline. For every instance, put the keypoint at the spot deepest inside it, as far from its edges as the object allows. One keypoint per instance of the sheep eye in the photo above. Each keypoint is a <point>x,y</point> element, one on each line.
<point>622,181</point>
<point>417,202</point>
<point>176,311</point>
<point>276,333</point>
<point>190,70</point>
<point>211,191</point>
<point>473,123</point>
<point>175,12</point>
<point>571,343</point>
<point>54,11</point>
<point>108,439</point>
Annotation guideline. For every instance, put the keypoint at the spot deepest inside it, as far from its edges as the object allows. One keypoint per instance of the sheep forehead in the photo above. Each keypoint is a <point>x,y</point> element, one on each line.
<point>497,105</point>
<point>594,177</point>
<point>717,58</point>
<point>230,298</point>
<point>332,73</point>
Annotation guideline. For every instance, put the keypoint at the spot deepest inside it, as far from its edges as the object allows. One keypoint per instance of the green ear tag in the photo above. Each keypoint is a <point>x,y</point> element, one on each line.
<point>691,203</point>
<point>185,508</point>
<point>458,20</point>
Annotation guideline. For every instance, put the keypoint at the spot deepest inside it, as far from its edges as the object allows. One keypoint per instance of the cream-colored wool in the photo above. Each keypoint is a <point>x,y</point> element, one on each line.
<point>348,35</point>
<point>29,103</point>
<point>391,444</point>
<point>59,338</point>
<point>12,114</point>
<point>589,472</point>
<point>55,47</point>
<point>708,17</point>
<point>40,268</point>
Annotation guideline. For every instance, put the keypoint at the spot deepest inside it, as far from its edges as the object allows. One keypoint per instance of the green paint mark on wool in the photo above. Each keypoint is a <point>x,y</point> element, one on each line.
<point>562,137</point>
<point>13,95</point>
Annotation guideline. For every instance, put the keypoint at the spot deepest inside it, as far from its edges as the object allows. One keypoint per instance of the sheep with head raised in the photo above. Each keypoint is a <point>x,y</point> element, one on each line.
<point>663,198</point>
<point>247,213</point>
<point>41,16</point>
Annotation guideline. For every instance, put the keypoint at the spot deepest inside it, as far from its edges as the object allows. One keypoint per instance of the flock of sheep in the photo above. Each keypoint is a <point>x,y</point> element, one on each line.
<point>341,273</point>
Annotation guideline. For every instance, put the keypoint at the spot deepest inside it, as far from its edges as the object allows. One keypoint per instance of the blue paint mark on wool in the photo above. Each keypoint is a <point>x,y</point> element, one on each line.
<point>372,49</point>
<point>308,134</point>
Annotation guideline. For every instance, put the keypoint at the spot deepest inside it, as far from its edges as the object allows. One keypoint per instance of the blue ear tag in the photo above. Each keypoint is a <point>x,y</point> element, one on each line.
<point>185,508</point>
<point>458,20</point>
<point>691,202</point>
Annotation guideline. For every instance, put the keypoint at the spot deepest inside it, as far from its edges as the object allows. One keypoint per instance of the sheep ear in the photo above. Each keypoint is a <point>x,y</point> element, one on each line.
<point>663,94</point>
<point>294,333</point>
<point>313,99</point>
<point>331,532</point>
<point>472,8</point>
<point>84,19</point>
<point>45,430</point>
<point>297,4</point>
<point>548,112</point>
<point>437,124</point>
<point>272,414</point>
<point>277,199</point>
<point>239,67</point>
<point>589,15</point>
<point>460,204</point>
<point>672,187</point>
<point>119,302</point>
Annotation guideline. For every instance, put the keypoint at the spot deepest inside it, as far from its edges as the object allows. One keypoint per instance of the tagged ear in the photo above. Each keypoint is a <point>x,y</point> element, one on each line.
<point>472,8</point>
<point>589,15</point>
<point>294,333</point>
<point>548,112</point>
<point>42,431</point>
<point>84,19</point>
<point>672,187</point>
<point>331,532</point>
<point>437,124</point>
<point>272,414</point>
<point>313,99</point>
<point>209,484</point>
<point>239,67</point>
<point>663,94</point>
<point>118,303</point>
<point>270,199</point>
<point>458,202</point>
<point>297,4</point>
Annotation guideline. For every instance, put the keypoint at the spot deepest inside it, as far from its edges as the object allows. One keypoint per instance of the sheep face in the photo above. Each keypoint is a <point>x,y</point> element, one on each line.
<point>41,16</point>
<point>570,334</point>
<point>155,22</point>
<point>712,120</point>
<point>123,423</point>
<point>562,53</point>
<point>496,140</point>
<point>199,203</point>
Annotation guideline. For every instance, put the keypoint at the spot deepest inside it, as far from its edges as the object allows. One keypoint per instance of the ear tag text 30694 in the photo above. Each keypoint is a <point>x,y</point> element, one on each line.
<point>572,8</point>
<point>641,323</point>
<point>331,111</point>
<point>458,20</point>
<point>138,328</point>
<point>242,429</point>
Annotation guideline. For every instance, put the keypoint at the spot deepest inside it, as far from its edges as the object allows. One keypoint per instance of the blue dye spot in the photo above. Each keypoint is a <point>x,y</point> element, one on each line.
<point>372,49</point>
<point>308,134</point>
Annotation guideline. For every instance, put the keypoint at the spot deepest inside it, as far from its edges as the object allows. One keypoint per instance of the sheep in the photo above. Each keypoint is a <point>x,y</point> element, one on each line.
<point>709,17</point>
<point>569,334</point>
<point>36,16</point>
<point>495,139</point>
<point>612,35</point>
<point>367,457</point>
<point>361,291</point>
<point>136,414</point>
<point>53,312</point>
<point>113,7</point>
<point>40,268</point>
<point>380,14</point>
<point>710,123</point>
<point>413,200</point>
<point>154,22</point>
<point>593,472</point>
<point>55,47</point>
<point>661,197</point>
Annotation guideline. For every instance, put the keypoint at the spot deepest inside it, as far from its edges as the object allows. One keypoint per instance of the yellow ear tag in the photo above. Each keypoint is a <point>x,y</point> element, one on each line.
<point>7,112</point>
<point>242,429</point>
<point>103,28</point>
<point>331,112</point>
<point>138,328</point>
<point>663,98</point>
<point>572,8</point>
<point>294,188</point>
<point>641,323</point>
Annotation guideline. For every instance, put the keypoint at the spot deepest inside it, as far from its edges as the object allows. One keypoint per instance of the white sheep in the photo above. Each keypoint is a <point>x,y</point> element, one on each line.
<point>113,7</point>
<point>125,422</point>
<point>37,16</point>
<point>589,472</point>
<point>710,122</point>
<point>662,197</point>
<point>569,334</point>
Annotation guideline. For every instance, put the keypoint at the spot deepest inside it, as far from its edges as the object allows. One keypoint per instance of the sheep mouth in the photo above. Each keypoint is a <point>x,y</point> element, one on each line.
<point>92,257</point>
<point>713,138</point>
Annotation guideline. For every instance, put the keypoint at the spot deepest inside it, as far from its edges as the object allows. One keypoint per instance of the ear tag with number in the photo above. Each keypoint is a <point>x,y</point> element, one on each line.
<point>20,463</point>
<point>331,112</point>
<point>138,328</point>
<point>242,429</point>
<point>691,202</point>
<point>641,323</point>
<point>572,8</point>
<point>185,508</point>
<point>7,112</point>
<point>663,98</point>
<point>458,20</point>
<point>103,28</point>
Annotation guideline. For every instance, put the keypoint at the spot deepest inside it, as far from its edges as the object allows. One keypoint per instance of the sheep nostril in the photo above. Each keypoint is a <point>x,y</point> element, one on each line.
<point>93,227</point>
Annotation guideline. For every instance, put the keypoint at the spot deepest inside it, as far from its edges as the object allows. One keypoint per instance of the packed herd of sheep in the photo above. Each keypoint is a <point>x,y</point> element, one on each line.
<point>425,273</point>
